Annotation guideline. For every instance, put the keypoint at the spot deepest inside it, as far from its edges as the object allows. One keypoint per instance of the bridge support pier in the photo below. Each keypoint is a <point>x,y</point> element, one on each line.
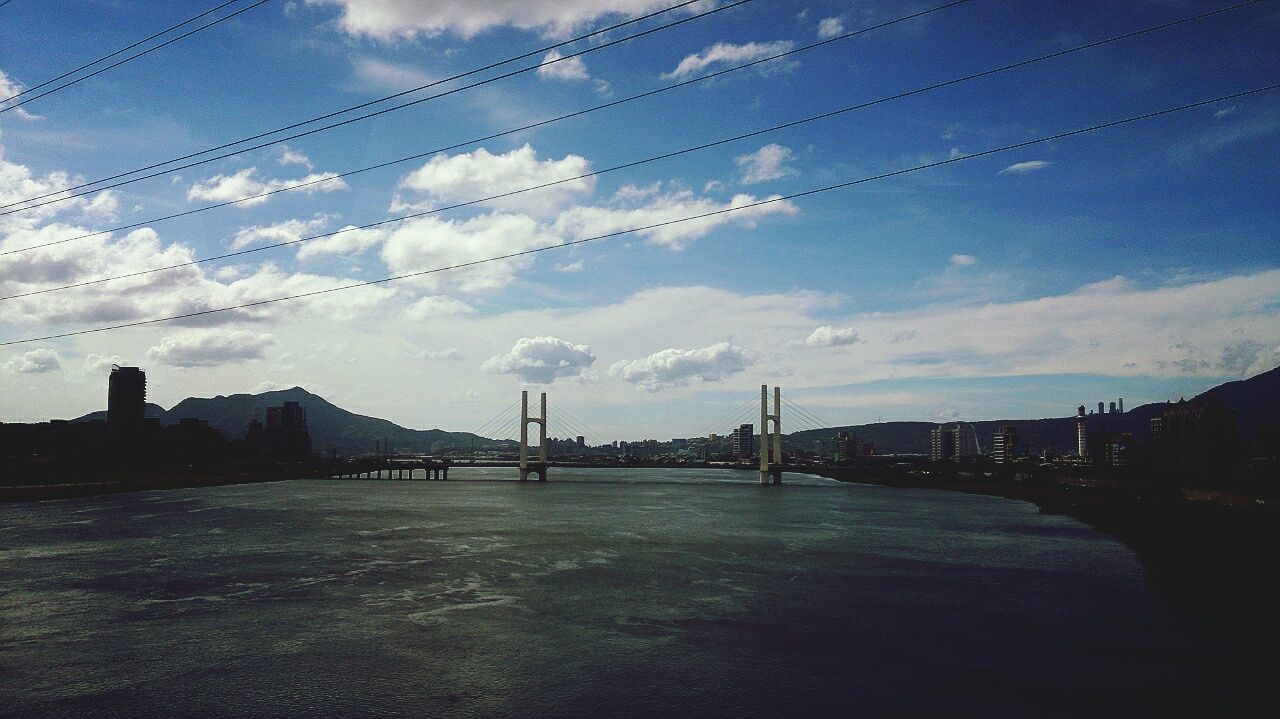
<point>540,467</point>
<point>770,472</point>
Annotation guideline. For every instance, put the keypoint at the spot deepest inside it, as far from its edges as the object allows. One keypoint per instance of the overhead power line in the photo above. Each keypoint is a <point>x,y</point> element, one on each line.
<point>59,195</point>
<point>513,131</point>
<point>135,56</point>
<point>594,173</point>
<point>643,228</point>
<point>127,48</point>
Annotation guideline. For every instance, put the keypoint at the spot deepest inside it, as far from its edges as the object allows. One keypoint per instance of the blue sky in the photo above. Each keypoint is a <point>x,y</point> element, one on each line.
<point>1140,261</point>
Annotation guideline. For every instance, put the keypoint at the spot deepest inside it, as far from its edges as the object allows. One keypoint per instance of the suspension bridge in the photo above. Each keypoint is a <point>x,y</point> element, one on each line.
<point>560,433</point>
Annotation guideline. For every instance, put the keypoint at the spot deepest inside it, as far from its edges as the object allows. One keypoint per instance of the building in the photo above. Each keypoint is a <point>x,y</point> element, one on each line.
<point>1082,433</point>
<point>1004,445</point>
<point>740,440</point>
<point>126,401</point>
<point>952,442</point>
<point>1112,408</point>
<point>286,435</point>
<point>581,442</point>
<point>845,447</point>
<point>1195,435</point>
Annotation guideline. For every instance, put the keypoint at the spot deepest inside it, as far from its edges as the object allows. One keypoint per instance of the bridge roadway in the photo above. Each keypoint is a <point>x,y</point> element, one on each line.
<point>437,469</point>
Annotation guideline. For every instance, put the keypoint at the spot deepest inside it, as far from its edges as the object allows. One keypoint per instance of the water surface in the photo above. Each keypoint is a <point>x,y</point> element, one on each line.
<point>601,593</point>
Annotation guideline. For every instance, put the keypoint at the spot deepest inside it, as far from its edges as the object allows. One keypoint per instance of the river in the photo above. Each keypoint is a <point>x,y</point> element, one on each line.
<point>601,593</point>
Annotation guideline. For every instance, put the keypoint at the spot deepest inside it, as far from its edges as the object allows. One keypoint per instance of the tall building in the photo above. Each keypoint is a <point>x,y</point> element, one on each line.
<point>1112,408</point>
<point>287,436</point>
<point>954,441</point>
<point>126,400</point>
<point>740,440</point>
<point>845,447</point>
<point>1082,438</point>
<point>1195,435</point>
<point>1004,445</point>
<point>581,442</point>
<point>1122,405</point>
<point>1099,408</point>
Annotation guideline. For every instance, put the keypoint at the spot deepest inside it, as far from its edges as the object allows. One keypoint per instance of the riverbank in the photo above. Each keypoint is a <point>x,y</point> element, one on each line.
<point>1206,554</point>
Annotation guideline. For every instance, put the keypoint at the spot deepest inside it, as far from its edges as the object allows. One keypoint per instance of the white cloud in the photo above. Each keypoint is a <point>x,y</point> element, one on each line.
<point>575,266</point>
<point>449,353</point>
<point>35,362</point>
<point>963,260</point>
<point>447,179</point>
<point>10,87</point>
<point>287,231</point>
<point>389,20</point>
<point>245,183</point>
<point>828,336</point>
<point>99,364</point>
<point>624,213</point>
<point>767,163</point>
<point>830,27</point>
<point>436,306</point>
<point>1020,168</point>
<point>429,243</point>
<point>573,69</point>
<point>389,76</point>
<point>679,367</point>
<point>347,240</point>
<point>210,348</point>
<point>286,155</point>
<point>723,53</point>
<point>542,360</point>
<point>1224,112</point>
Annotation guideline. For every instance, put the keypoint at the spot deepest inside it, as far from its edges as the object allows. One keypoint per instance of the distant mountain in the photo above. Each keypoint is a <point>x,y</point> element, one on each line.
<point>1253,402</point>
<point>150,410</point>
<point>332,428</point>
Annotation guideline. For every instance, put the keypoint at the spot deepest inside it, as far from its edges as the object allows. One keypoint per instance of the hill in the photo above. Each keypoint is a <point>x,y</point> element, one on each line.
<point>332,427</point>
<point>1251,401</point>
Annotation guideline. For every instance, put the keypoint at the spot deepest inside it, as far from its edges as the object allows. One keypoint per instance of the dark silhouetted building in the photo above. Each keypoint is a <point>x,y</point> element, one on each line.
<point>1194,436</point>
<point>126,401</point>
<point>286,434</point>
<point>1082,433</point>
<point>740,440</point>
<point>845,446</point>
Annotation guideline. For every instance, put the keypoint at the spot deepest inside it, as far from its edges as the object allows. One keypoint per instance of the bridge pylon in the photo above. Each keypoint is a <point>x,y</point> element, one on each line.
<point>770,471</point>
<point>526,467</point>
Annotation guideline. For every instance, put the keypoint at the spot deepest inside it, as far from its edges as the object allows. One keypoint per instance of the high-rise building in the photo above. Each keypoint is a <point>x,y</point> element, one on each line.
<point>287,436</point>
<point>845,447</point>
<point>1004,445</point>
<point>1099,408</point>
<point>126,400</point>
<point>951,442</point>
<point>1195,435</point>
<point>740,440</point>
<point>581,442</point>
<point>1082,438</point>
<point>1122,405</point>
<point>1112,409</point>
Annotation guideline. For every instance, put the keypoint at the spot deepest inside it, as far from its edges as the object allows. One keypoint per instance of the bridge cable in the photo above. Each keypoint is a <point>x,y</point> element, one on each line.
<point>60,197</point>
<point>135,56</point>
<point>436,210</point>
<point>581,426</point>
<point>712,213</point>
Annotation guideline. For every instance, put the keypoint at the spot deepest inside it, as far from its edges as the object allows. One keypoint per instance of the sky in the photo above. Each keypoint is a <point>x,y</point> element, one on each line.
<point>1138,261</point>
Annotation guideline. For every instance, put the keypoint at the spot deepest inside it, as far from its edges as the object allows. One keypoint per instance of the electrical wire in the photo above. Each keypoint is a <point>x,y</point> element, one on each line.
<point>666,223</point>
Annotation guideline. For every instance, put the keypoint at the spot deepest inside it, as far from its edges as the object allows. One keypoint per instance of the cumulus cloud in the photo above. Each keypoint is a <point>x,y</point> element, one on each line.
<point>630,211</point>
<point>429,243</point>
<point>575,266</point>
<point>10,87</point>
<point>245,183</point>
<point>828,336</point>
<point>963,260</point>
<point>287,231</point>
<point>1021,168</point>
<point>210,348</point>
<point>542,360</point>
<point>767,163</point>
<point>449,353</point>
<point>724,53</point>
<point>389,20</point>
<point>573,69</point>
<point>679,367</point>
<point>35,362</point>
<point>830,27</point>
<point>449,179</point>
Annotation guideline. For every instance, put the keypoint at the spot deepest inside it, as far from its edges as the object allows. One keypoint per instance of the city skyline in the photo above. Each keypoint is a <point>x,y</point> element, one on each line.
<point>1137,262</point>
